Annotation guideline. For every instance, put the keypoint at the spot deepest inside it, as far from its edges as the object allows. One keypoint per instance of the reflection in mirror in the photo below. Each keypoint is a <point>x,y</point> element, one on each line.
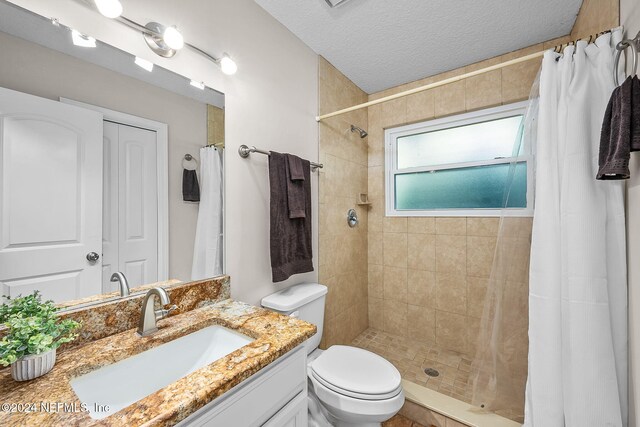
<point>106,167</point>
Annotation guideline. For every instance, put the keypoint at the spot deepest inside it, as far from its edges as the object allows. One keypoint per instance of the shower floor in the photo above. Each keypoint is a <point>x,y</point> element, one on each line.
<point>411,358</point>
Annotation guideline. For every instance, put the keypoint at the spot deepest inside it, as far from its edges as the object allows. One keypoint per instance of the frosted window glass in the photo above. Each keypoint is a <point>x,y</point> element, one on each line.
<point>463,188</point>
<point>470,143</point>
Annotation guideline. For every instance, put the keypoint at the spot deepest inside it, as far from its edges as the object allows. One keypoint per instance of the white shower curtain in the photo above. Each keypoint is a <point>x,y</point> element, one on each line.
<point>578,286</point>
<point>207,251</point>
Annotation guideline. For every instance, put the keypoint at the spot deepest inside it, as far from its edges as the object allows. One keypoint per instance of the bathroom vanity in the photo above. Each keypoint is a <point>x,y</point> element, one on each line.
<point>257,375</point>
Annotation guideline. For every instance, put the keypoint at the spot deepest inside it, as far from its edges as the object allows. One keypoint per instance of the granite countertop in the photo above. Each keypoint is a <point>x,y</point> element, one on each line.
<point>274,336</point>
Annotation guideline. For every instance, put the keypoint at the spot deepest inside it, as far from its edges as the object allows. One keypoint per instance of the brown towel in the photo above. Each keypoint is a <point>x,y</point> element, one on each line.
<point>620,131</point>
<point>291,251</point>
<point>296,196</point>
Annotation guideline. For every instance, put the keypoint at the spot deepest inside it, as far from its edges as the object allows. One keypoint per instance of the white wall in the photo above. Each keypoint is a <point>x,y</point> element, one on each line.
<point>630,18</point>
<point>271,102</point>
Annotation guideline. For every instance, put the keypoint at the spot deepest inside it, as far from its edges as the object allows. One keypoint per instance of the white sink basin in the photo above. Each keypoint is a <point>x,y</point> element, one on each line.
<point>113,387</point>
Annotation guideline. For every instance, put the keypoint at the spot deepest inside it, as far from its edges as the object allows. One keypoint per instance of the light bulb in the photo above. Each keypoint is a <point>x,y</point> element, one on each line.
<point>173,38</point>
<point>81,40</point>
<point>143,63</point>
<point>228,65</point>
<point>109,8</point>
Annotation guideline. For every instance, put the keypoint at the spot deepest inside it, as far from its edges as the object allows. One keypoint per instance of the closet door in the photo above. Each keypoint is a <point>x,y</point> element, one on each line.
<point>110,233</point>
<point>138,205</point>
<point>50,198</point>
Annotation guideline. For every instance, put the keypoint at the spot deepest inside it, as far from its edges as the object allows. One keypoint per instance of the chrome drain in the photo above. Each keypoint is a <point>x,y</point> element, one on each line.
<point>431,372</point>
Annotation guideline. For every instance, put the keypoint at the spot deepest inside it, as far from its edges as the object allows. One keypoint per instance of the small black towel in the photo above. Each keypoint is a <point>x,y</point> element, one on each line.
<point>620,131</point>
<point>290,239</point>
<point>190,186</point>
<point>296,196</point>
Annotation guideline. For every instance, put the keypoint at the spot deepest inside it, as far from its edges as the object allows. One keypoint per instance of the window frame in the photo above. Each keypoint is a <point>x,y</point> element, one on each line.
<point>391,170</point>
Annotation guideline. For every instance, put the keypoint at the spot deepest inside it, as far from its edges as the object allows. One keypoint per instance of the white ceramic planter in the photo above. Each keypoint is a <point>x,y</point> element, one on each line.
<point>33,366</point>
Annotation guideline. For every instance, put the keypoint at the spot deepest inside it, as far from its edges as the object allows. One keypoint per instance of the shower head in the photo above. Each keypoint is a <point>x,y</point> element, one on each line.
<point>363,133</point>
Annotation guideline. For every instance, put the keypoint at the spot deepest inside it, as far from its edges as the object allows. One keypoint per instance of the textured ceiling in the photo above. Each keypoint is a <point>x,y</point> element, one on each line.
<point>382,43</point>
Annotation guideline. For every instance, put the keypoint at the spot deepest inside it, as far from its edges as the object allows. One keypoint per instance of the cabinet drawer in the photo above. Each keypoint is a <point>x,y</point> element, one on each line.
<point>254,401</point>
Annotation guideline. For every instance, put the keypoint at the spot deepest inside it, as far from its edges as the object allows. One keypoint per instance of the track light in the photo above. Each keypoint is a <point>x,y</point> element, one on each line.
<point>109,8</point>
<point>173,38</point>
<point>81,40</point>
<point>144,64</point>
<point>228,65</point>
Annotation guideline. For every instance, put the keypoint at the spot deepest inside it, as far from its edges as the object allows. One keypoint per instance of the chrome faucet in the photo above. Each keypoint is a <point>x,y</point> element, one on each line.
<point>124,285</point>
<point>148,315</point>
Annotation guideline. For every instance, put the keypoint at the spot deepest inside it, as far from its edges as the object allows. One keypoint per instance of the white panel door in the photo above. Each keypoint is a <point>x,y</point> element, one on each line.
<point>110,263</point>
<point>51,197</point>
<point>138,205</point>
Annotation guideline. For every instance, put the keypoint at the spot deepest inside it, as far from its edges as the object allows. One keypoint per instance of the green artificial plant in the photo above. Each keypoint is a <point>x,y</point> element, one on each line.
<point>33,327</point>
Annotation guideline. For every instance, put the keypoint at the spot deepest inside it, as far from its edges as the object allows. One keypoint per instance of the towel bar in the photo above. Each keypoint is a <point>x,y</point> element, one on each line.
<point>245,151</point>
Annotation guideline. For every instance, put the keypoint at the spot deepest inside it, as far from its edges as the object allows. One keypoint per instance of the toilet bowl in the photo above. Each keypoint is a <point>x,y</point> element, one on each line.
<point>348,386</point>
<point>356,387</point>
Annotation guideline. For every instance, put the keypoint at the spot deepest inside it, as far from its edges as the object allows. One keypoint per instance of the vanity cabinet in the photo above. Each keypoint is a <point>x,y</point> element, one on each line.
<point>276,396</point>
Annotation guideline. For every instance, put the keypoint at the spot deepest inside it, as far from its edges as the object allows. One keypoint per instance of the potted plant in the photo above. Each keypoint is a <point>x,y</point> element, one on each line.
<point>34,332</point>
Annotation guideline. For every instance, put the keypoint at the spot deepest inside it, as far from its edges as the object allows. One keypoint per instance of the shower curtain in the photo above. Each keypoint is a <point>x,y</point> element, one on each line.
<point>577,371</point>
<point>207,251</point>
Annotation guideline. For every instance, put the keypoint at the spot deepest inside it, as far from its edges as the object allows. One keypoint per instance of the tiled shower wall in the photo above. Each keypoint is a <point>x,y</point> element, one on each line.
<point>428,276</point>
<point>343,250</point>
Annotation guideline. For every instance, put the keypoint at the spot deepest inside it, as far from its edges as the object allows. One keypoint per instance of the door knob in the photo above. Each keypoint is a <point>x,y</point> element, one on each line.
<point>93,257</point>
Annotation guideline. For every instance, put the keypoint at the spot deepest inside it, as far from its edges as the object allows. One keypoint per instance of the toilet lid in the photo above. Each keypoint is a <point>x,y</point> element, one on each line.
<point>356,372</point>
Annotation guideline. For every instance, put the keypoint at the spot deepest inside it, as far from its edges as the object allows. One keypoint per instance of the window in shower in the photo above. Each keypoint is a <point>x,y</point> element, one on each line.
<point>473,164</point>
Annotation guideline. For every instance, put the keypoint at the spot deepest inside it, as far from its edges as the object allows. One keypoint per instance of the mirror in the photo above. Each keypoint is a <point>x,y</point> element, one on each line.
<point>98,160</point>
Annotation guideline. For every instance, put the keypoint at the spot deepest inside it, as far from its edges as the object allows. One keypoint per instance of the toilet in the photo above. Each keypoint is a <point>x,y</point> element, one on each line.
<point>348,386</point>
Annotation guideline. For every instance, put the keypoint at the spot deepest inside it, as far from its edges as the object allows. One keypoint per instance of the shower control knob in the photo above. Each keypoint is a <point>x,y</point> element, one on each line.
<point>352,218</point>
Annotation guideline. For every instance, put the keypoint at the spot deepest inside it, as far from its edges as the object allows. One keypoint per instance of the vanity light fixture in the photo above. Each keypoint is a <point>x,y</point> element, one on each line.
<point>199,85</point>
<point>173,38</point>
<point>162,40</point>
<point>81,40</point>
<point>228,65</point>
<point>109,8</point>
<point>144,64</point>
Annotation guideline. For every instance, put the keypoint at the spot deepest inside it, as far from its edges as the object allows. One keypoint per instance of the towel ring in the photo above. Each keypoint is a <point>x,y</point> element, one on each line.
<point>620,47</point>
<point>189,158</point>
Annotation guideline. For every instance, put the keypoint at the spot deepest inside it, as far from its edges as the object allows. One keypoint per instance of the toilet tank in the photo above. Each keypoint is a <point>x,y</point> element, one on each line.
<point>304,301</point>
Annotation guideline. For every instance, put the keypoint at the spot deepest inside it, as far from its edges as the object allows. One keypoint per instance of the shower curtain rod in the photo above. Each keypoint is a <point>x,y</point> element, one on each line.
<point>525,58</point>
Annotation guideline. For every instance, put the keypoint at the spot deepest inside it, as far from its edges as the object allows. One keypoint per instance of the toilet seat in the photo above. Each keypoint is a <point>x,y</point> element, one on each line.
<point>356,373</point>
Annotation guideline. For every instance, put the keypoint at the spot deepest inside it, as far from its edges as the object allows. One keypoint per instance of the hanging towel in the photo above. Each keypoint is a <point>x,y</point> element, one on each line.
<point>290,241</point>
<point>620,131</point>
<point>190,187</point>
<point>207,250</point>
<point>296,196</point>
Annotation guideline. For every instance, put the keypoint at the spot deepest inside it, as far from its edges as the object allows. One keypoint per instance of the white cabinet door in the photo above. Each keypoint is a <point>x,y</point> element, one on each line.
<point>51,197</point>
<point>294,414</point>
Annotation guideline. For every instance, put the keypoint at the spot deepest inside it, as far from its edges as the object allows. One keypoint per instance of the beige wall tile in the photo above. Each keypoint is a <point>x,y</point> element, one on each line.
<point>450,99</point>
<point>421,252</point>
<point>375,249</point>
<point>395,224</point>
<point>478,226</point>
<point>376,313</point>
<point>480,254</point>
<point>452,226</point>
<point>451,331</point>
<point>421,323</point>
<point>476,291</point>
<point>394,113</point>
<point>376,280</point>
<point>451,292</point>
<point>395,284</point>
<point>484,90</point>
<point>517,80</point>
<point>425,225</point>
<point>395,317</point>
<point>451,254</point>
<point>395,249</point>
<point>421,288</point>
<point>420,106</point>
